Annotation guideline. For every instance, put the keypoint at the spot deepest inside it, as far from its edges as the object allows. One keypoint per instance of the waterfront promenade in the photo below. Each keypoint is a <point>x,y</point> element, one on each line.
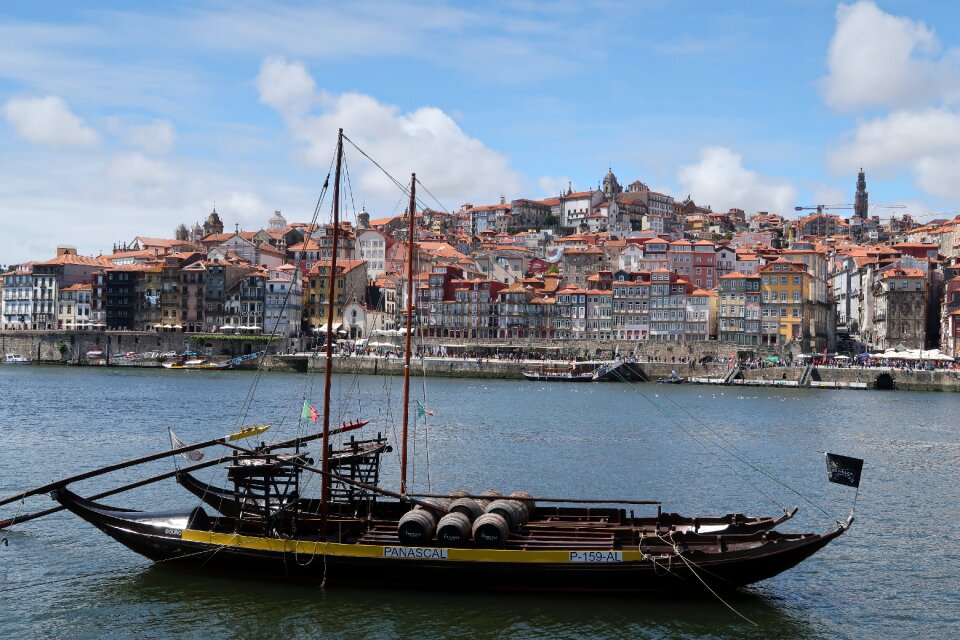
<point>704,362</point>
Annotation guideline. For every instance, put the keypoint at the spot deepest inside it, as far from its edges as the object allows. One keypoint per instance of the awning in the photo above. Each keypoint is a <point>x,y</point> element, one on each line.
<point>323,328</point>
<point>227,326</point>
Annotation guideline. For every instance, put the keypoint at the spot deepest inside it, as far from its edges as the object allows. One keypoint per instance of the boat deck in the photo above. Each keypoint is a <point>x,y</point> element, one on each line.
<point>530,539</point>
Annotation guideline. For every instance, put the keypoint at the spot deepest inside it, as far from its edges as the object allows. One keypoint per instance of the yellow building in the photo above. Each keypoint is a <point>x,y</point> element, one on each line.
<point>351,285</point>
<point>783,287</point>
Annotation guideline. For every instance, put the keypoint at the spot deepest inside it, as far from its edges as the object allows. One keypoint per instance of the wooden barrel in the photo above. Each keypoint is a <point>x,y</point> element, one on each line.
<point>459,493</point>
<point>437,505</point>
<point>453,529</point>
<point>468,507</point>
<point>490,531</point>
<point>489,493</point>
<point>528,505</point>
<point>512,511</point>
<point>416,527</point>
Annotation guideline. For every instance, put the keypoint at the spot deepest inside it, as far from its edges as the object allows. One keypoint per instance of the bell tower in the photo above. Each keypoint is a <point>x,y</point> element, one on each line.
<point>862,202</point>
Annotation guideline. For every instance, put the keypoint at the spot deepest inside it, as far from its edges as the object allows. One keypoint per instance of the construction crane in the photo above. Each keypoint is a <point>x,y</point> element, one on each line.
<point>820,207</point>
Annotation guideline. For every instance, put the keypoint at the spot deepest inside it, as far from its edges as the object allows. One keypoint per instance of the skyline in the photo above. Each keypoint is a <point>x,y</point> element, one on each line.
<point>118,123</point>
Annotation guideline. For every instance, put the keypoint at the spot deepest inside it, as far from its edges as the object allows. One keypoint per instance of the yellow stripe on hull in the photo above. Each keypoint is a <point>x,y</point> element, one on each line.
<point>510,556</point>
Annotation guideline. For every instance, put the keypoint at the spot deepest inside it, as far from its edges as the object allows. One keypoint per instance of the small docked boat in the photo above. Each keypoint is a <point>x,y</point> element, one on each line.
<point>555,374</point>
<point>673,378</point>
<point>13,358</point>
<point>201,364</point>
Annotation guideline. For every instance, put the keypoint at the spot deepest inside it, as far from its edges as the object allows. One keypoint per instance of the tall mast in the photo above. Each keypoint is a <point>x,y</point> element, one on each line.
<point>406,351</point>
<point>331,299</point>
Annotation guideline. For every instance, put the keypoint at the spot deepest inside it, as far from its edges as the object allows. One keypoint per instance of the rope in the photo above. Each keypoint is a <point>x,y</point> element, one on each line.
<point>715,594</point>
<point>636,387</point>
<point>731,450</point>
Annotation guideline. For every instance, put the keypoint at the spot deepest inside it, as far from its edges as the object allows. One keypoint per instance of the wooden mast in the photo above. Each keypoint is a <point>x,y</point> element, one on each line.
<point>406,351</point>
<point>331,299</point>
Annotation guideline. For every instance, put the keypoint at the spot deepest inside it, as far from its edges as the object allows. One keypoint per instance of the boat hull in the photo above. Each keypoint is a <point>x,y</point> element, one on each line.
<point>546,377</point>
<point>751,558</point>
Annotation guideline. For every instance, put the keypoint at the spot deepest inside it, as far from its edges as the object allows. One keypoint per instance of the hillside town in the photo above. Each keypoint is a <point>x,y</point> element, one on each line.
<point>607,264</point>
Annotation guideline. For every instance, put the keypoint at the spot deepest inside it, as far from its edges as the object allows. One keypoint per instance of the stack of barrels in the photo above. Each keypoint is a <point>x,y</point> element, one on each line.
<point>488,520</point>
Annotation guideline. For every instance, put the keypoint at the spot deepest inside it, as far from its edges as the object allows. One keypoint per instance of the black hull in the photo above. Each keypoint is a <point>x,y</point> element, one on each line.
<point>752,558</point>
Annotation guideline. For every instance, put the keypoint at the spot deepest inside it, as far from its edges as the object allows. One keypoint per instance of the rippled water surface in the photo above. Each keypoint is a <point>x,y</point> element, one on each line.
<point>894,574</point>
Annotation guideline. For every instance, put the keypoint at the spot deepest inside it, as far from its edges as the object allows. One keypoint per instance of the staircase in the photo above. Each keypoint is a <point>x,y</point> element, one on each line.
<point>805,378</point>
<point>610,371</point>
<point>732,374</point>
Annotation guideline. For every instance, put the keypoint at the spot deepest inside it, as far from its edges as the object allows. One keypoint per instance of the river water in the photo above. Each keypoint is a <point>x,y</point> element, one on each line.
<point>894,574</point>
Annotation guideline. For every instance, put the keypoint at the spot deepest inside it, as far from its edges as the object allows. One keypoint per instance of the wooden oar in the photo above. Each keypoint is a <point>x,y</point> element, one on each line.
<point>164,476</point>
<point>127,487</point>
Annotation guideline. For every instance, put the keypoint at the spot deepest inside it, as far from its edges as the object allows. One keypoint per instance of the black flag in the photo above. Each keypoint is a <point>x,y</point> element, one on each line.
<point>844,470</point>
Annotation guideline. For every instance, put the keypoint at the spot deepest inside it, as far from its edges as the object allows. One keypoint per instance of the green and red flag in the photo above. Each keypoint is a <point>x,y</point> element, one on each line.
<point>309,413</point>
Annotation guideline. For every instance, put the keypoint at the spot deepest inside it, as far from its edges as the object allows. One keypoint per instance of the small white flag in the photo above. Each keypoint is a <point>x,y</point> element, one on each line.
<point>177,443</point>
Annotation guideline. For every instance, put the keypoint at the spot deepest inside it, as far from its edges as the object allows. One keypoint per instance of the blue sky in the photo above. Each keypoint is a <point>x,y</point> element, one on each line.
<point>118,119</point>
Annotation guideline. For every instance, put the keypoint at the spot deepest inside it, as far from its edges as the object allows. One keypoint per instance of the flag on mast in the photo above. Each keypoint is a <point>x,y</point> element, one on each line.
<point>422,411</point>
<point>309,413</point>
<point>844,470</point>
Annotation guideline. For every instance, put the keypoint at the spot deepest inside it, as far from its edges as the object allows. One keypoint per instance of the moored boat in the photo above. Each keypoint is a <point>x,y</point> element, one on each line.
<point>201,364</point>
<point>13,358</point>
<point>673,378</point>
<point>555,559</point>
<point>555,374</point>
<point>359,532</point>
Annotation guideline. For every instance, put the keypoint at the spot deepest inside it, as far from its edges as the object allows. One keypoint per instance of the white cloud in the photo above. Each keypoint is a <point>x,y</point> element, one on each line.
<point>899,139</point>
<point>156,137</point>
<point>823,194</point>
<point>137,168</point>
<point>877,59</point>
<point>552,186</point>
<point>247,205</point>
<point>453,165</point>
<point>288,88</point>
<point>938,175</point>
<point>926,143</point>
<point>721,180</point>
<point>48,121</point>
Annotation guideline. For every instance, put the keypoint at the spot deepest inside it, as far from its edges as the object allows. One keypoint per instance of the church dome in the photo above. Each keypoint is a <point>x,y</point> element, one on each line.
<point>276,222</point>
<point>213,223</point>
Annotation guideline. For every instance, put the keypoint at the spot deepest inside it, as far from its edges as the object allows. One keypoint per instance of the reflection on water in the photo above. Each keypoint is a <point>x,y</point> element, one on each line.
<point>896,573</point>
<point>252,609</point>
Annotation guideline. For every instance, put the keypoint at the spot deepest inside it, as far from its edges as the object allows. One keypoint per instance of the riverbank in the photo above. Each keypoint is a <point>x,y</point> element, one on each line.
<point>653,360</point>
<point>850,378</point>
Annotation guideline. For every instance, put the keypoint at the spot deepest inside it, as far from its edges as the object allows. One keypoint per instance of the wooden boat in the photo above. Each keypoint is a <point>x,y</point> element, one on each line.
<point>548,374</point>
<point>673,378</point>
<point>230,502</point>
<point>201,364</point>
<point>358,532</point>
<point>546,559</point>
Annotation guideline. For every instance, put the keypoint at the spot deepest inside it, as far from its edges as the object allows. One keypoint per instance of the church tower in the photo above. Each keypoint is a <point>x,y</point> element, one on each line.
<point>610,185</point>
<point>213,223</point>
<point>861,204</point>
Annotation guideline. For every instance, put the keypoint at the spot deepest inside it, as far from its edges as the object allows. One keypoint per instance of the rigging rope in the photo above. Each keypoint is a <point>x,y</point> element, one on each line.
<point>735,453</point>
